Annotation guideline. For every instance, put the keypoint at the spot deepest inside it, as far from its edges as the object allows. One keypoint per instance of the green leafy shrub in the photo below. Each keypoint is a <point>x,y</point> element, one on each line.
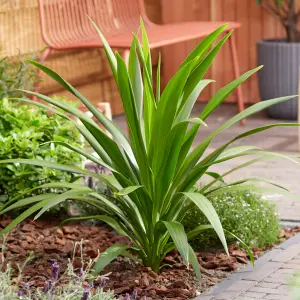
<point>23,132</point>
<point>15,75</point>
<point>244,213</point>
<point>155,170</point>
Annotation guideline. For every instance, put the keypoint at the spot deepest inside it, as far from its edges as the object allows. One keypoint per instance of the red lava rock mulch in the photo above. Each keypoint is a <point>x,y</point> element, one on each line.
<point>173,282</point>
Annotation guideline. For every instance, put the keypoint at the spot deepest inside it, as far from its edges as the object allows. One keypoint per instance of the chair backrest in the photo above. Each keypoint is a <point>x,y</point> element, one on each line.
<point>67,19</point>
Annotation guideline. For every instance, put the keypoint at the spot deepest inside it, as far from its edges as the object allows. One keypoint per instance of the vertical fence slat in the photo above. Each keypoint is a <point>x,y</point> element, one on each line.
<point>228,14</point>
<point>256,24</point>
<point>243,42</point>
<point>255,34</point>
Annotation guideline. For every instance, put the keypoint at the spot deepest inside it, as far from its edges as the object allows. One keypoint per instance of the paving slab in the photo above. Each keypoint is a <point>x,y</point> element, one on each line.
<point>269,279</point>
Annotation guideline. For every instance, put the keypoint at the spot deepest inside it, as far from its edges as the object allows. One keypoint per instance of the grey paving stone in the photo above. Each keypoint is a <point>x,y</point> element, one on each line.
<point>276,280</point>
<point>253,295</point>
<point>267,291</point>
<point>277,297</point>
<point>205,297</point>
<point>263,271</point>
<point>244,298</point>
<point>242,285</point>
<point>269,285</point>
<point>287,254</point>
<point>292,266</point>
<point>285,270</point>
<point>227,295</point>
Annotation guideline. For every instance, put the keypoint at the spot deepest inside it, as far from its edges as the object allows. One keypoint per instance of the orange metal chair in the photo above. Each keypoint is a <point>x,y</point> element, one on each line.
<point>65,26</point>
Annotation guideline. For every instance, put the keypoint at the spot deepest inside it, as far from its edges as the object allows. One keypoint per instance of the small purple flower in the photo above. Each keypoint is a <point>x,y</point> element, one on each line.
<point>26,286</point>
<point>81,272</point>
<point>127,297</point>
<point>48,286</point>
<point>20,294</point>
<point>86,293</point>
<point>55,271</point>
<point>134,295</point>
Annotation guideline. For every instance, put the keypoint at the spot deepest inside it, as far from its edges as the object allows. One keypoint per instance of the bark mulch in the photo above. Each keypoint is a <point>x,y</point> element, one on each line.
<point>175,281</point>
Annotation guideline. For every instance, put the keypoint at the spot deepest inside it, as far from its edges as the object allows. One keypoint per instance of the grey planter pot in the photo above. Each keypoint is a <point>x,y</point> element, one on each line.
<point>279,76</point>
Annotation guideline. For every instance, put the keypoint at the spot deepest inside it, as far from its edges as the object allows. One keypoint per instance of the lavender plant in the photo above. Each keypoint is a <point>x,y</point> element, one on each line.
<point>68,287</point>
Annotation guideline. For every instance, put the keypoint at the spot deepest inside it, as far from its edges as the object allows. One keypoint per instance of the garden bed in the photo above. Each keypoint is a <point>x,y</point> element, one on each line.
<point>174,282</point>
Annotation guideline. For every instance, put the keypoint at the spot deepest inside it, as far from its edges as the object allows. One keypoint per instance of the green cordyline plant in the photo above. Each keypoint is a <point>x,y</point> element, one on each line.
<point>155,170</point>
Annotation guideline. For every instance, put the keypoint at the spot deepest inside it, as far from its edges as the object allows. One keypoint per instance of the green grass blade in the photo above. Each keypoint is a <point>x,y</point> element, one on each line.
<point>146,48</point>
<point>106,219</point>
<point>224,92</point>
<point>109,125</point>
<point>107,257</point>
<point>243,244</point>
<point>24,202</point>
<point>166,112</point>
<point>47,164</point>
<point>261,180</point>
<point>215,101</point>
<point>84,153</point>
<point>108,51</point>
<point>244,165</point>
<point>235,151</point>
<point>194,262</point>
<point>118,160</point>
<point>179,237</point>
<point>158,78</point>
<point>135,75</point>
<point>204,45</point>
<point>210,213</point>
<point>87,135</point>
<point>193,233</point>
<point>260,189</point>
<point>22,217</point>
<point>201,69</point>
<point>187,107</point>
<point>133,122</point>
<point>57,199</point>
<point>128,190</point>
<point>196,154</point>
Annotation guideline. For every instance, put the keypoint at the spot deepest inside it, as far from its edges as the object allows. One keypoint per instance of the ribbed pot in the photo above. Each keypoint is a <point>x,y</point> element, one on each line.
<point>279,76</point>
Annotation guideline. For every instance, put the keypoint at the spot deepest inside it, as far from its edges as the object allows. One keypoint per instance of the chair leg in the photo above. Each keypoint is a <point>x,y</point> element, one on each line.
<point>42,59</point>
<point>236,70</point>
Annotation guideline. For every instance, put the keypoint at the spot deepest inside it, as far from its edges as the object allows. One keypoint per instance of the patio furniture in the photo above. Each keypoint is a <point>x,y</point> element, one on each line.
<point>65,26</point>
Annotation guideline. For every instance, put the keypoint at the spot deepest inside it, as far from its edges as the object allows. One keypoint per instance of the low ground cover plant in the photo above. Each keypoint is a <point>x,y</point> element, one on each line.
<point>72,285</point>
<point>155,170</point>
<point>244,213</point>
<point>25,132</point>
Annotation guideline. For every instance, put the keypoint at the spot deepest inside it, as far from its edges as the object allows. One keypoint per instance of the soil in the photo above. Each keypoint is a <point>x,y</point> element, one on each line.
<point>175,281</point>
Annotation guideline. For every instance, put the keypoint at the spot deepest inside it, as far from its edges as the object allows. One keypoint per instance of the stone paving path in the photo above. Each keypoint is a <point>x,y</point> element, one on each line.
<point>269,279</point>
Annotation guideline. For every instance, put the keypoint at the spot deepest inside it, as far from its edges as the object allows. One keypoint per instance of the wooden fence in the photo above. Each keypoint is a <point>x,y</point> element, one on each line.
<point>20,33</point>
<point>256,24</point>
